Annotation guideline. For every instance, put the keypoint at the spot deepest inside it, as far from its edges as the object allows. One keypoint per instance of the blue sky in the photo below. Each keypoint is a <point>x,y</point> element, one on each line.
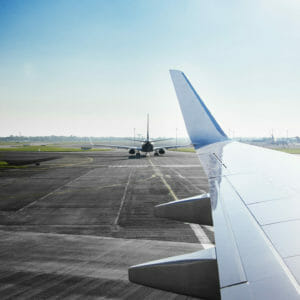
<point>98,67</point>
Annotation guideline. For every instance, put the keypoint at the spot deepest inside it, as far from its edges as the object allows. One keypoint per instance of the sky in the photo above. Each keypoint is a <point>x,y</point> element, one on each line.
<point>96,68</point>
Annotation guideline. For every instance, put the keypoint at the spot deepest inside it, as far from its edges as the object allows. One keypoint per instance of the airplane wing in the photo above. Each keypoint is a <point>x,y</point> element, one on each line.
<point>113,146</point>
<point>117,146</point>
<point>160,140</point>
<point>172,147</point>
<point>254,206</point>
<point>135,140</point>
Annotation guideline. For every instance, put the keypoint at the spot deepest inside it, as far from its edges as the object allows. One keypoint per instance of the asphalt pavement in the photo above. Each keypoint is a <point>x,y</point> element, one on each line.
<point>70,227</point>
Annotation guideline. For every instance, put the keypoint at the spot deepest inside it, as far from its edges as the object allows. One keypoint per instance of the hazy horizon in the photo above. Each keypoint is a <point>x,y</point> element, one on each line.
<point>141,136</point>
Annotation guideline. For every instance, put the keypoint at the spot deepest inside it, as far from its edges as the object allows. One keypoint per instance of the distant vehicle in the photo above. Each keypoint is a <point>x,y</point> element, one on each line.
<point>146,146</point>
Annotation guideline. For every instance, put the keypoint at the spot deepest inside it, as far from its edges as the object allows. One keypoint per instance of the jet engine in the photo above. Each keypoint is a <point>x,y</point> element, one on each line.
<point>131,151</point>
<point>161,151</point>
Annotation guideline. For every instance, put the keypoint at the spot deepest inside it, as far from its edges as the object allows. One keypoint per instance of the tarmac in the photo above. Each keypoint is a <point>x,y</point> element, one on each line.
<point>71,227</point>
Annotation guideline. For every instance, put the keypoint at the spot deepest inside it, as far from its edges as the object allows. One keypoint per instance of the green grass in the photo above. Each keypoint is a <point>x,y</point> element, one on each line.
<point>288,150</point>
<point>183,149</point>
<point>50,149</point>
<point>10,143</point>
<point>5,165</point>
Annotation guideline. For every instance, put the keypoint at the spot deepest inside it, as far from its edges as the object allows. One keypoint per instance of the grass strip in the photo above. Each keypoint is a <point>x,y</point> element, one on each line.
<point>49,149</point>
<point>288,150</point>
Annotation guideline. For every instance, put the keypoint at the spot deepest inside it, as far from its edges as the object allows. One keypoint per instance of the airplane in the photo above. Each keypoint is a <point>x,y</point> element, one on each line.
<point>253,204</point>
<point>147,145</point>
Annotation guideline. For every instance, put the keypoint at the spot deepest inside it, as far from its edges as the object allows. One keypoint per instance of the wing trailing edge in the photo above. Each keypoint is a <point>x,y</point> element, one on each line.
<point>202,127</point>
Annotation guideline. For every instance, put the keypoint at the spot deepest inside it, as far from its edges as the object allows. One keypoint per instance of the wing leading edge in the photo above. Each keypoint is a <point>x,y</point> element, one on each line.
<point>255,208</point>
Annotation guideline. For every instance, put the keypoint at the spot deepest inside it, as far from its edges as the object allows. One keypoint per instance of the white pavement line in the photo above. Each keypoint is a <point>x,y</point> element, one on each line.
<point>49,194</point>
<point>148,166</point>
<point>188,181</point>
<point>161,176</point>
<point>142,166</point>
<point>198,231</point>
<point>123,198</point>
<point>179,175</point>
<point>201,235</point>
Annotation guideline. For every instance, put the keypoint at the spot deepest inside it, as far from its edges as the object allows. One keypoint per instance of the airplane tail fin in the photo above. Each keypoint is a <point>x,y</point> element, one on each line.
<point>147,127</point>
<point>202,128</point>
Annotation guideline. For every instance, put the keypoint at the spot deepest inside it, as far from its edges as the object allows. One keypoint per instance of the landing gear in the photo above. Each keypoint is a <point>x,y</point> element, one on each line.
<point>138,155</point>
<point>156,154</point>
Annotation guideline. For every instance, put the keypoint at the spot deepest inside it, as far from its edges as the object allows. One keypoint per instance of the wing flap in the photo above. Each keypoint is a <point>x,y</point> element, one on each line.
<point>194,274</point>
<point>192,210</point>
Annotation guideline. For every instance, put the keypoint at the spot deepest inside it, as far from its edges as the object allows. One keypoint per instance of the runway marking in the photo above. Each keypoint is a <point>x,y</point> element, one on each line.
<point>88,160</point>
<point>201,235</point>
<point>98,188</point>
<point>178,174</point>
<point>116,222</point>
<point>161,176</point>
<point>198,231</point>
<point>141,166</point>
<point>186,179</point>
<point>49,194</point>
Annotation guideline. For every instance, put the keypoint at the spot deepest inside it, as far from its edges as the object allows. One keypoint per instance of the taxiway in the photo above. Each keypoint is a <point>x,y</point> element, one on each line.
<point>71,227</point>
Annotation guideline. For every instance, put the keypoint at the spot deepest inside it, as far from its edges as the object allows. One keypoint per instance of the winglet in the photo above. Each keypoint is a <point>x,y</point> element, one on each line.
<point>202,128</point>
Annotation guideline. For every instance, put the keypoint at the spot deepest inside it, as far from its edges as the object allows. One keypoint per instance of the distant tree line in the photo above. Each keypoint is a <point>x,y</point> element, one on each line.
<point>50,138</point>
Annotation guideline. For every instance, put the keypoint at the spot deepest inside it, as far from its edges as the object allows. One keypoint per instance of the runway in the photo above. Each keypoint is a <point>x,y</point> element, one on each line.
<point>71,227</point>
